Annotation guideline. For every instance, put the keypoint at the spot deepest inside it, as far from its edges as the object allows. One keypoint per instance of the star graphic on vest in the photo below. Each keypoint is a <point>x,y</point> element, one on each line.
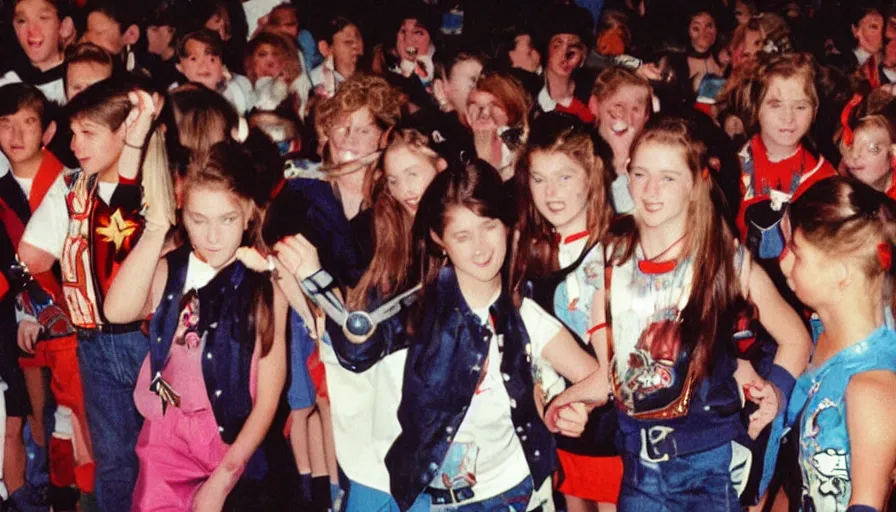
<point>117,230</point>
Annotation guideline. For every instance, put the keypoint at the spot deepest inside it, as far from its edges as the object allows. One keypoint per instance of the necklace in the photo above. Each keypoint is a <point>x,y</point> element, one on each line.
<point>652,266</point>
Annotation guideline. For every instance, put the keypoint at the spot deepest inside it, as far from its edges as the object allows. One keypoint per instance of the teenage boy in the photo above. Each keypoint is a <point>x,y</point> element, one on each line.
<point>42,27</point>
<point>25,130</point>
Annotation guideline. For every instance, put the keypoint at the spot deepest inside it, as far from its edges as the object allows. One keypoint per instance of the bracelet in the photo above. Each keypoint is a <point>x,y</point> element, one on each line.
<point>128,144</point>
<point>597,327</point>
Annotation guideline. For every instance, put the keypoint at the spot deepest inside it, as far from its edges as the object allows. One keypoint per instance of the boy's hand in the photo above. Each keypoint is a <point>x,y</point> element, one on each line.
<point>28,334</point>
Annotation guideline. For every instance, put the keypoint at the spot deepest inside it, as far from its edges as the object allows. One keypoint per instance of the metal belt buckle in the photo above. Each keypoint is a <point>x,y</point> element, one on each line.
<point>654,443</point>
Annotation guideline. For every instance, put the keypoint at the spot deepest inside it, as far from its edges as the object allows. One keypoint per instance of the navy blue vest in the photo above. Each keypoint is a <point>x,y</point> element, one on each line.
<point>227,356</point>
<point>442,371</point>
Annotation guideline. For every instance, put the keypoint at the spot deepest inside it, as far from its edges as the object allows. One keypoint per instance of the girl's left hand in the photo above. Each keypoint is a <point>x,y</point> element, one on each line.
<point>765,395</point>
<point>567,419</point>
<point>139,120</point>
<point>298,255</point>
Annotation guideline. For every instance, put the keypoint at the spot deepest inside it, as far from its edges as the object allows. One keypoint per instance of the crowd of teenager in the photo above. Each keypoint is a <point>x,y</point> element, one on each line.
<point>447,255</point>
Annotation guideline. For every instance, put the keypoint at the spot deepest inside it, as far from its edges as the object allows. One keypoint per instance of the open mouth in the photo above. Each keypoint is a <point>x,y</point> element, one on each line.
<point>412,204</point>
<point>484,263</point>
<point>653,207</point>
<point>619,127</point>
<point>556,206</point>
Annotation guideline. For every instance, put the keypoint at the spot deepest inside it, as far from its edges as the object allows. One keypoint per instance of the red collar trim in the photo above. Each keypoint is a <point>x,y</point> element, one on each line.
<point>657,267</point>
<point>571,238</point>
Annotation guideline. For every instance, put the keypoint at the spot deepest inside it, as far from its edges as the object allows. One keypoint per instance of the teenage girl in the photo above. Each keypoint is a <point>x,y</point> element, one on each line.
<point>364,404</point>
<point>211,383</point>
<point>840,264</point>
<point>564,215</point>
<point>675,368</point>
<point>776,166</point>
<point>470,434</point>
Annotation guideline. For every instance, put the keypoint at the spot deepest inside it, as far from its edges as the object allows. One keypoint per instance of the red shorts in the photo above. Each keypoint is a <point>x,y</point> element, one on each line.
<point>591,478</point>
<point>61,357</point>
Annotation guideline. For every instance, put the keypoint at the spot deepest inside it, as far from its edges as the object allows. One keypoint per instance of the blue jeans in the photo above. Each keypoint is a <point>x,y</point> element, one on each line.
<point>515,499</point>
<point>109,367</point>
<point>699,481</point>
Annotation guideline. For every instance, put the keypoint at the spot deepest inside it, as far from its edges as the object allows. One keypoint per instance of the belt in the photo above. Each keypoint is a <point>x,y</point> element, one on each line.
<point>659,443</point>
<point>113,328</point>
<point>449,496</point>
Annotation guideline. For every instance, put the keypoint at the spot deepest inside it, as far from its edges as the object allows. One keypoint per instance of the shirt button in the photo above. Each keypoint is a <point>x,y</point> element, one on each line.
<point>512,403</point>
<point>506,377</point>
<point>519,430</point>
<point>433,466</point>
<point>170,297</point>
<point>159,339</point>
<point>706,407</point>
<point>537,453</point>
<point>208,356</point>
<point>213,325</point>
<point>220,428</point>
<point>449,429</point>
<point>218,392</point>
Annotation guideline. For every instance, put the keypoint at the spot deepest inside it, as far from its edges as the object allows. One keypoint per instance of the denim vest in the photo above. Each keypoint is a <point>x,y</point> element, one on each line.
<point>445,361</point>
<point>229,343</point>
<point>818,406</point>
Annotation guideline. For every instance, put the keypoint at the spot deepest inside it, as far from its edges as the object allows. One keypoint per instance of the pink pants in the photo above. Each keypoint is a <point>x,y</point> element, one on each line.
<point>177,453</point>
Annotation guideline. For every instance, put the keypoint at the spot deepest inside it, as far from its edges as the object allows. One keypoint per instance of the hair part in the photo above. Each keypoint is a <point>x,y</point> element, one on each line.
<point>19,96</point>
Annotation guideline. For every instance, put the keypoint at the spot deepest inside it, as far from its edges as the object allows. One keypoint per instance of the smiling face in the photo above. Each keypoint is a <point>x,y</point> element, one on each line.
<point>475,245</point>
<point>21,136</point>
<point>869,157</point>
<point>201,65</point>
<point>37,26</point>
<point>412,39</point>
<point>662,186</point>
<point>566,53</point>
<point>869,32</point>
<point>702,31</point>
<point>215,220</point>
<point>485,112</point>
<point>408,173</point>
<point>354,135</point>
<point>95,145</point>
<point>559,188</point>
<point>785,115</point>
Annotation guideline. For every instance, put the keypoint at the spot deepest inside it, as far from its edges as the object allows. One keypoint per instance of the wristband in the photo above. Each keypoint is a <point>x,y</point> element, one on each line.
<point>782,379</point>
<point>861,508</point>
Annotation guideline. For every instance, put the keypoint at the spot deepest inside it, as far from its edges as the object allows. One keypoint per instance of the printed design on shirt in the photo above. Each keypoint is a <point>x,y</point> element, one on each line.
<point>651,363</point>
<point>651,366</point>
<point>458,470</point>
<point>828,485</point>
<point>115,229</point>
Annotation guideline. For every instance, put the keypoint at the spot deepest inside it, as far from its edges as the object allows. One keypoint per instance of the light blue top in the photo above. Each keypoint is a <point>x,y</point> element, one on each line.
<point>818,408</point>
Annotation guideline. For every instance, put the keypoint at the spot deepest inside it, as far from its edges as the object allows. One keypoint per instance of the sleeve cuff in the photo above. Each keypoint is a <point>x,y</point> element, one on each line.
<point>782,379</point>
<point>861,508</point>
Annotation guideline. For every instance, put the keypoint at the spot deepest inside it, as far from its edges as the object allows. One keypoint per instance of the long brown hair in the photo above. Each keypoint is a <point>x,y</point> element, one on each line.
<point>234,167</point>
<point>557,133</point>
<point>475,185</point>
<point>846,218</point>
<point>716,292</point>
<point>393,241</point>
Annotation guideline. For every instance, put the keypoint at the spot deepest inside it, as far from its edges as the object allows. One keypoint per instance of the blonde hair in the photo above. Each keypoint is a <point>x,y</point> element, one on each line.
<point>359,91</point>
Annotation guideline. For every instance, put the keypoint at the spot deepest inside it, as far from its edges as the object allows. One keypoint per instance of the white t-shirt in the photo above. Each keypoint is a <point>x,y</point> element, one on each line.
<point>364,410</point>
<point>486,452</point>
<point>48,225</point>
<point>238,92</point>
<point>54,91</point>
<point>25,184</point>
<point>255,9</point>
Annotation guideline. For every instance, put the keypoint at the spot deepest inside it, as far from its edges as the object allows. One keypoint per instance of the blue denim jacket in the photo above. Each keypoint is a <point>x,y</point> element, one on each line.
<point>445,361</point>
<point>227,355</point>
